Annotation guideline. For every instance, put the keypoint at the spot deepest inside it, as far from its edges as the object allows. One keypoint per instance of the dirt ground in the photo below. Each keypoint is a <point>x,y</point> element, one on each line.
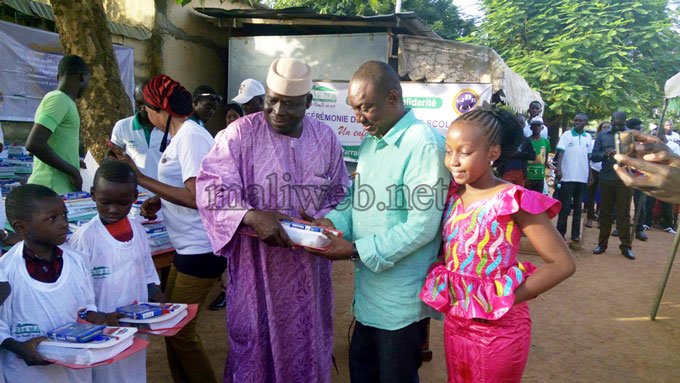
<point>594,327</point>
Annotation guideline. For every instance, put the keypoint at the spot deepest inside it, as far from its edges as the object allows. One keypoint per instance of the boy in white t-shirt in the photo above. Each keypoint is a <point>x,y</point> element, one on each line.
<point>119,256</point>
<point>573,170</point>
<point>50,283</point>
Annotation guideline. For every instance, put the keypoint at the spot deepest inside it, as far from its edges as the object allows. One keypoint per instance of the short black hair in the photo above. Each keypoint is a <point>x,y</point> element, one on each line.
<point>619,113</point>
<point>235,106</point>
<point>115,171</point>
<point>202,89</point>
<point>72,65</point>
<point>583,115</point>
<point>536,102</point>
<point>498,126</point>
<point>139,90</point>
<point>382,76</point>
<point>633,121</point>
<point>20,202</point>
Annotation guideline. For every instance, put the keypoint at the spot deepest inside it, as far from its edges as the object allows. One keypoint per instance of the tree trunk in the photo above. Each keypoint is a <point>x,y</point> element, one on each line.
<point>84,31</point>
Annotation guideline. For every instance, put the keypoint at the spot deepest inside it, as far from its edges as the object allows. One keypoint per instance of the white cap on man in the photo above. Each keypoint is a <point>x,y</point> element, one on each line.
<point>536,120</point>
<point>289,77</point>
<point>248,89</point>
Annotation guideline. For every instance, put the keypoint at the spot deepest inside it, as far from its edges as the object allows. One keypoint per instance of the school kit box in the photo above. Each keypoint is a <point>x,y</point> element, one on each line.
<point>112,344</point>
<point>303,233</point>
<point>157,318</point>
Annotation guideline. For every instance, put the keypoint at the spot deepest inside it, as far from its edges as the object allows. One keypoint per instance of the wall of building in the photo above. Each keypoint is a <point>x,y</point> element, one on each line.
<point>193,51</point>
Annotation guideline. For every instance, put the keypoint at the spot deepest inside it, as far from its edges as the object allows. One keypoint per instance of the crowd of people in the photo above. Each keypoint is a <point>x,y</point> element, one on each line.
<point>432,225</point>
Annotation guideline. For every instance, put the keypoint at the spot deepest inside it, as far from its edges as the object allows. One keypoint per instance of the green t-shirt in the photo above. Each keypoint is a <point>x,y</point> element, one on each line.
<point>58,113</point>
<point>536,170</point>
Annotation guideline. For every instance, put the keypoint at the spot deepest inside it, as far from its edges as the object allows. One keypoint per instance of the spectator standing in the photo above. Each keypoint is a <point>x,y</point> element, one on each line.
<point>573,170</point>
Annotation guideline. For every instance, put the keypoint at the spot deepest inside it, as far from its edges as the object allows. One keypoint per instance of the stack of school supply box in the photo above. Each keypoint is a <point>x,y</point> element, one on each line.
<point>6,171</point>
<point>80,206</point>
<point>82,344</point>
<point>15,150</point>
<point>305,234</point>
<point>154,318</point>
<point>157,235</point>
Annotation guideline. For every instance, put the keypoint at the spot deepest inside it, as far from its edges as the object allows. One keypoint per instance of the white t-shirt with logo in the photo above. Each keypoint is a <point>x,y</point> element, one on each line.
<point>129,135</point>
<point>120,273</point>
<point>575,150</point>
<point>34,308</point>
<point>181,161</point>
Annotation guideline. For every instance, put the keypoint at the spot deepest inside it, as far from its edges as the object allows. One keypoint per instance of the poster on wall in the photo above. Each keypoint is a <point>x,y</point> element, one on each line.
<point>28,69</point>
<point>436,104</point>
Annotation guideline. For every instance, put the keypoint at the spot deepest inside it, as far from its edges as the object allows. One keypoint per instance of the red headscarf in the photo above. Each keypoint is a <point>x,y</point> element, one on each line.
<point>164,93</point>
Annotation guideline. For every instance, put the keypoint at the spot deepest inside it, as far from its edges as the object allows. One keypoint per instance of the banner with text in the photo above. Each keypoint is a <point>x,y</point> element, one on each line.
<point>436,104</point>
<point>28,69</point>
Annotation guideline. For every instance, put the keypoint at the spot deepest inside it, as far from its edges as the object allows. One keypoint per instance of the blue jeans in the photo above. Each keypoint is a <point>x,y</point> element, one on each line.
<point>384,356</point>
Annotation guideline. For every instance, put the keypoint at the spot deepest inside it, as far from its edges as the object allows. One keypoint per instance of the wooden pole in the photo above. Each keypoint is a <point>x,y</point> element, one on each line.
<point>674,248</point>
<point>666,274</point>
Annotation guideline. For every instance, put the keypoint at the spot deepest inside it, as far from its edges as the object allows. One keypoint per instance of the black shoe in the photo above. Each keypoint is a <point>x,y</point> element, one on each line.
<point>576,239</point>
<point>628,253</point>
<point>219,303</point>
<point>600,249</point>
<point>615,233</point>
<point>641,236</point>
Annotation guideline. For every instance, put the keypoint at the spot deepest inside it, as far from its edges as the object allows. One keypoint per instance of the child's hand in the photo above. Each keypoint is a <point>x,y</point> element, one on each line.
<point>107,319</point>
<point>150,207</point>
<point>317,222</point>
<point>27,350</point>
<point>112,319</point>
<point>159,297</point>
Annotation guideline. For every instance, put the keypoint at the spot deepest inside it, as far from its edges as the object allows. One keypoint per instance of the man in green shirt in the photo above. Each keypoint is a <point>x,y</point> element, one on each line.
<point>391,221</point>
<point>55,135</point>
<point>536,168</point>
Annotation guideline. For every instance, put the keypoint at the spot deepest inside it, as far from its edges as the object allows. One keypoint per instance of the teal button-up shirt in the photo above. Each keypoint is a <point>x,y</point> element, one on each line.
<point>393,214</point>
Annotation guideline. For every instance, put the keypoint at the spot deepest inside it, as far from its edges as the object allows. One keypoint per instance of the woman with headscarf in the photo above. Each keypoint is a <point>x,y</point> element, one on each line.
<point>195,268</point>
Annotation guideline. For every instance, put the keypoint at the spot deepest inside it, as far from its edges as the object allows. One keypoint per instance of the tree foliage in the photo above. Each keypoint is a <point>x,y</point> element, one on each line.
<point>440,15</point>
<point>586,56</point>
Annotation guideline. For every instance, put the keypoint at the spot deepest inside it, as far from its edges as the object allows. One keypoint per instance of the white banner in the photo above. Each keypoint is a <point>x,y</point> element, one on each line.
<point>436,104</point>
<point>28,69</point>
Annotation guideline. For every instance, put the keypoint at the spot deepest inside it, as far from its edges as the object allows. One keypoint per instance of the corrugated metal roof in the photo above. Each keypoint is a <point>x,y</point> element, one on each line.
<point>44,11</point>
<point>301,19</point>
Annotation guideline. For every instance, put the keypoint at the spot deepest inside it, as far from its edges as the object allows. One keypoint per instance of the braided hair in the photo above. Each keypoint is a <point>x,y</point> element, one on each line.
<point>499,127</point>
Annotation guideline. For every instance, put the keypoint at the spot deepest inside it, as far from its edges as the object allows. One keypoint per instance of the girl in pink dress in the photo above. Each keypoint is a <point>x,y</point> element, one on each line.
<point>477,281</point>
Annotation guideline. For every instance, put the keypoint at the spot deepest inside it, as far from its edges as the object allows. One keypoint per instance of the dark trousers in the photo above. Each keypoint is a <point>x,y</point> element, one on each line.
<point>571,196</point>
<point>592,190</point>
<point>383,356</point>
<point>615,193</point>
<point>535,185</point>
<point>666,213</point>
<point>643,211</point>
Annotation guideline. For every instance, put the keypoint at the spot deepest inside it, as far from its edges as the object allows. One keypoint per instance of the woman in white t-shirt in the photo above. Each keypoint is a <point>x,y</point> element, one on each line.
<point>195,268</point>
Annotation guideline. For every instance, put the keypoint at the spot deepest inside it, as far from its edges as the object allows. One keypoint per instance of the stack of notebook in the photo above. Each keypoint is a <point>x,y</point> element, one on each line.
<point>85,345</point>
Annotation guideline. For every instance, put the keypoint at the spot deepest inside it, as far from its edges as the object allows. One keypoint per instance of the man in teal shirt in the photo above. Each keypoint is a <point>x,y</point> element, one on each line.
<point>391,222</point>
<point>55,135</point>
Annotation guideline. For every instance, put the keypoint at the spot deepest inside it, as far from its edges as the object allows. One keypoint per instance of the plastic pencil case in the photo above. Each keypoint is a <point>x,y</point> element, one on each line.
<point>140,311</point>
<point>76,332</point>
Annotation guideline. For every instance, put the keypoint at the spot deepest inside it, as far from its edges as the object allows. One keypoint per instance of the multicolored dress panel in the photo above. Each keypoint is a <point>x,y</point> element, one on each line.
<point>476,277</point>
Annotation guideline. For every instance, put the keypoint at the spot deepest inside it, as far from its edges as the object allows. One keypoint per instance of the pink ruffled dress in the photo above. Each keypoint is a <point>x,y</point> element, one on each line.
<point>476,277</point>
